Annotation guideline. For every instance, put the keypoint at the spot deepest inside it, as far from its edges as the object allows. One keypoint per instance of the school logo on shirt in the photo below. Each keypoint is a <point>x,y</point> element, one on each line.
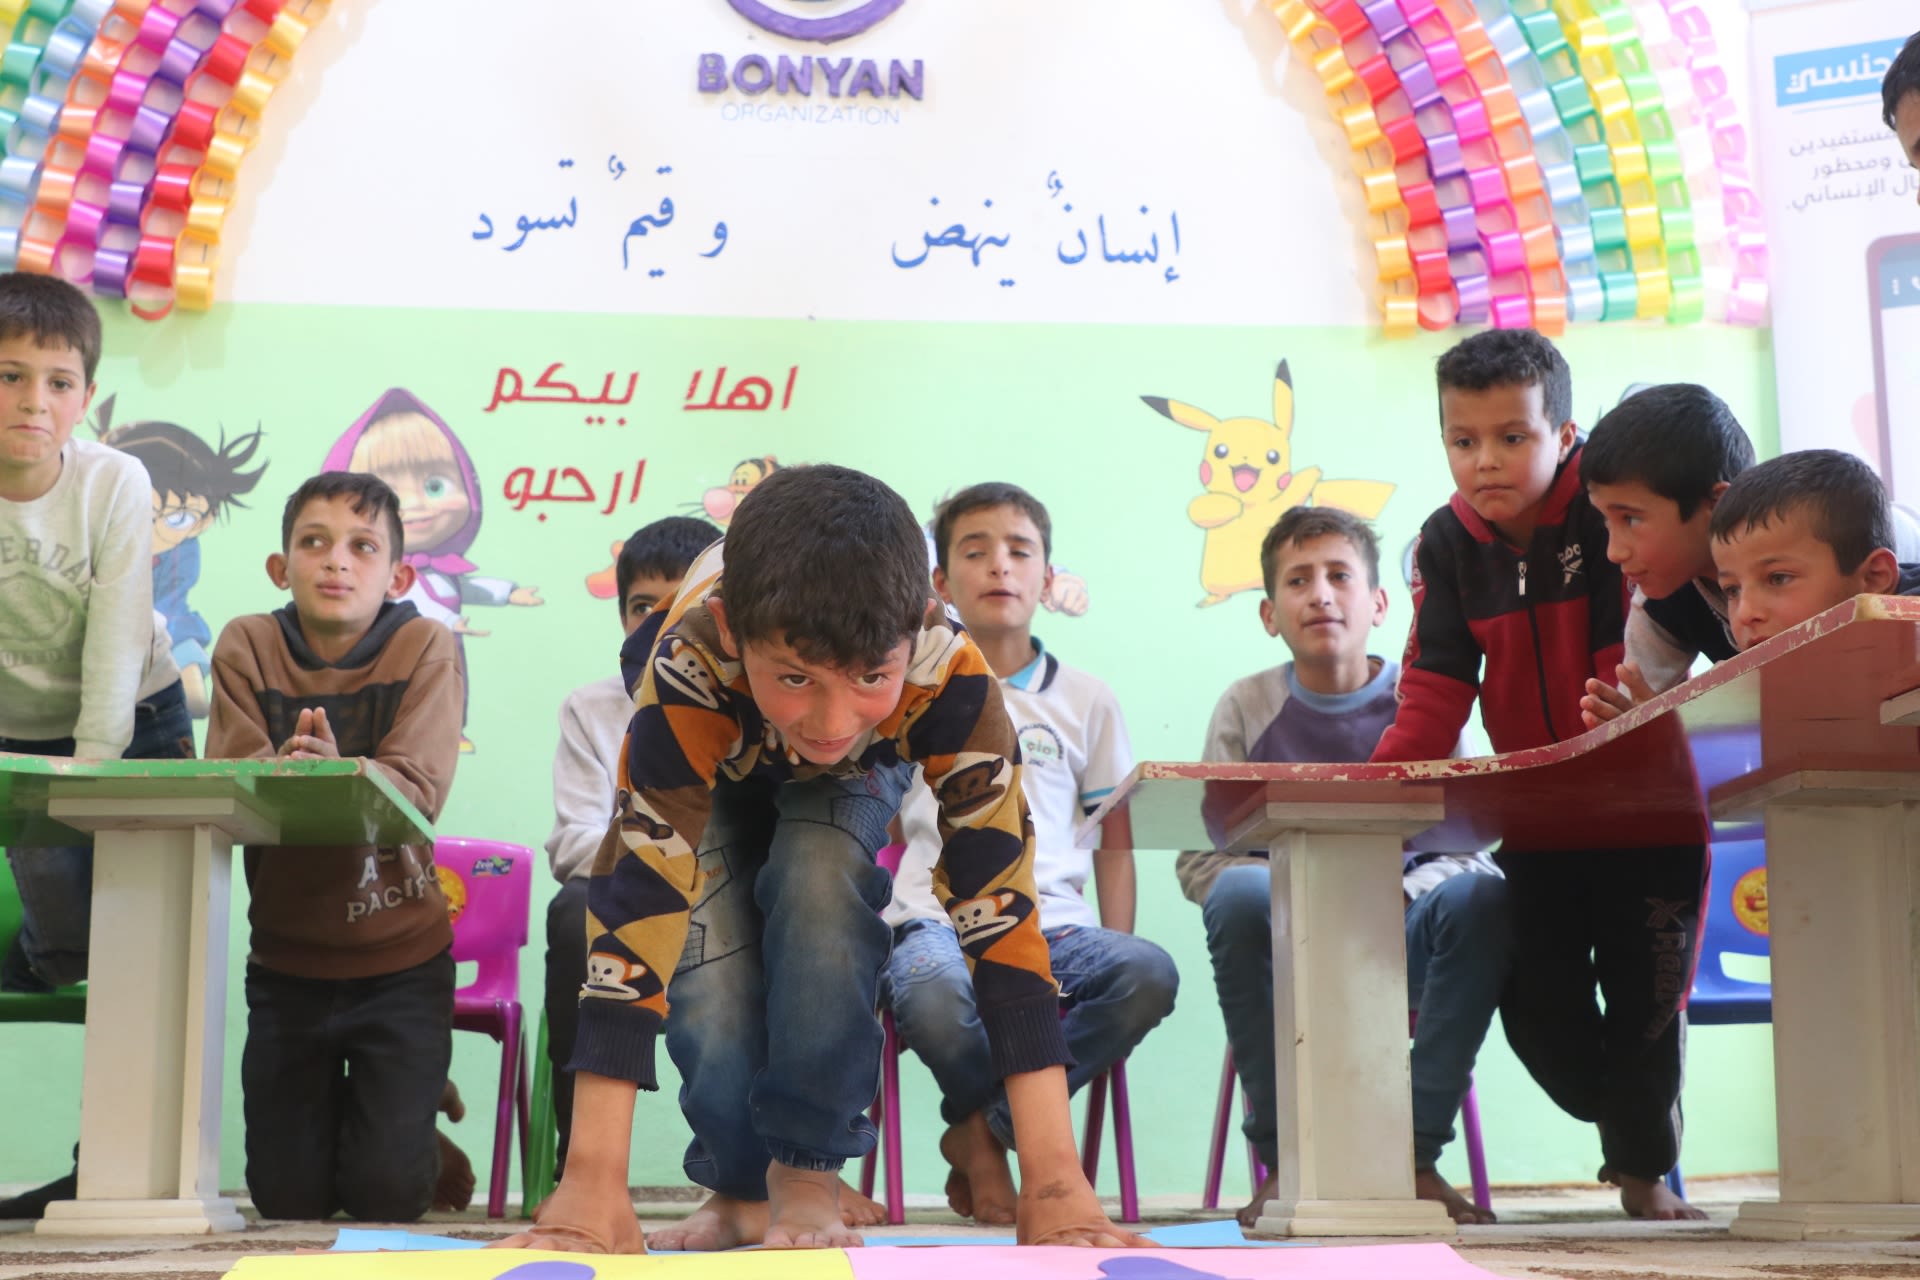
<point>1040,744</point>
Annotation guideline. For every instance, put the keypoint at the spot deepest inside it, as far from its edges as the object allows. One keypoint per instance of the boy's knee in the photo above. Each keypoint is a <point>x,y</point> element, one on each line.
<point>388,1190</point>
<point>1238,910</point>
<point>1479,905</point>
<point>305,1198</point>
<point>1151,981</point>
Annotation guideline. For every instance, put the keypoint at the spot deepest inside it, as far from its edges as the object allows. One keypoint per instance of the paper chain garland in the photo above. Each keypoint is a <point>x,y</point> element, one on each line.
<point>1531,162</point>
<point>124,123</point>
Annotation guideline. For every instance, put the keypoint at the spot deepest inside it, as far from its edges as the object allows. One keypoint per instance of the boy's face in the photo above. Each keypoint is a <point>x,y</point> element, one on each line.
<point>1906,124</point>
<point>1780,574</point>
<point>821,711</point>
<point>43,392</point>
<point>1322,606</point>
<point>643,593</point>
<point>996,570</point>
<point>340,566</point>
<point>1656,550</point>
<point>176,519</point>
<point>1502,452</point>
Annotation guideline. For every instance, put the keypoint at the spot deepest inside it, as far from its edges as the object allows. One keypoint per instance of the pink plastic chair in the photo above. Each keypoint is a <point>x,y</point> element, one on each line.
<point>885,1113</point>
<point>488,886</point>
<point>1257,1172</point>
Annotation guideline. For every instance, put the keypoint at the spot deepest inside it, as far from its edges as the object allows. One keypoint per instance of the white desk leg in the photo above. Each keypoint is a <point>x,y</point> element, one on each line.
<point>156,1021</point>
<point>1843,887</point>
<point>1340,1043</point>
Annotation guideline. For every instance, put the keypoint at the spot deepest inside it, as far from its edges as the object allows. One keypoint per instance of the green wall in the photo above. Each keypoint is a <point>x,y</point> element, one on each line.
<point>929,408</point>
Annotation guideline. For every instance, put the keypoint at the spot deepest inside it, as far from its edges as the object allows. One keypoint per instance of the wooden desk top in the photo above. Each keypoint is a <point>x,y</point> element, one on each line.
<point>1814,694</point>
<point>314,801</point>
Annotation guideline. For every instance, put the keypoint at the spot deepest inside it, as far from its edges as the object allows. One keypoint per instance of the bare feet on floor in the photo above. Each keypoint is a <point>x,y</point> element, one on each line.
<point>721,1223</point>
<point>981,1185</point>
<point>451,1104</point>
<point>857,1210</point>
<point>453,1191</point>
<point>1250,1214</point>
<point>1429,1185</point>
<point>578,1218</point>
<point>1650,1198</point>
<point>803,1210</point>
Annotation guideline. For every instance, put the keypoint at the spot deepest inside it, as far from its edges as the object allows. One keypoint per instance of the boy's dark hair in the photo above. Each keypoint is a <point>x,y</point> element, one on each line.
<point>182,464</point>
<point>369,494</point>
<point>828,560</point>
<point>1510,358</point>
<point>985,497</point>
<point>1903,78</point>
<point>52,313</point>
<point>1678,439</point>
<point>1303,524</point>
<point>663,549</point>
<point>1844,499</point>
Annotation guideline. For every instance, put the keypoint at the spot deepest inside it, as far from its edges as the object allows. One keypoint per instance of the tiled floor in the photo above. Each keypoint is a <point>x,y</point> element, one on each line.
<point>1570,1233</point>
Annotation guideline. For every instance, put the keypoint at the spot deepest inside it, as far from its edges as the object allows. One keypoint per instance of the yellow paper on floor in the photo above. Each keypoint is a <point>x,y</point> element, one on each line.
<point>527,1264</point>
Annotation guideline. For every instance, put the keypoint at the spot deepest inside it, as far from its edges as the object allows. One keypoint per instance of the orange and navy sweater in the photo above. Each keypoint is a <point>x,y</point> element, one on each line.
<point>1541,620</point>
<point>695,722</point>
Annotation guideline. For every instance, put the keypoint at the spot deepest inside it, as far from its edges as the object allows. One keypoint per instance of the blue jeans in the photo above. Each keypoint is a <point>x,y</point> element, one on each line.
<point>56,883</point>
<point>771,1017</point>
<point>1116,988</point>
<point>1459,951</point>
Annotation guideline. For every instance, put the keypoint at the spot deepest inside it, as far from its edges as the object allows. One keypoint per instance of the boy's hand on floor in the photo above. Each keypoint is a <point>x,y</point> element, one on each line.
<point>577,1220</point>
<point>1060,1213</point>
<point>1604,702</point>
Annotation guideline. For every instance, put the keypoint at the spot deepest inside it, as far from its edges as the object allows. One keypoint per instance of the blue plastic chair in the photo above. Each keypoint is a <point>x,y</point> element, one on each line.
<point>1736,925</point>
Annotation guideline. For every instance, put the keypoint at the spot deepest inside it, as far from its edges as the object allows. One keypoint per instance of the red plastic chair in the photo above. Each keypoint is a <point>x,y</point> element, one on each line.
<point>885,1113</point>
<point>488,886</point>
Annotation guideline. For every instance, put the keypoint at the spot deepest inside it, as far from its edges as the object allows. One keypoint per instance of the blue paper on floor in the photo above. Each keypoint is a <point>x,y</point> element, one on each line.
<point>356,1240</point>
<point>1184,1235</point>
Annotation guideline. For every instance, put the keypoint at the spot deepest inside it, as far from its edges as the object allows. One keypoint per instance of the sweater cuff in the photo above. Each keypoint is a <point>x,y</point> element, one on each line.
<point>617,1041</point>
<point>1025,1035</point>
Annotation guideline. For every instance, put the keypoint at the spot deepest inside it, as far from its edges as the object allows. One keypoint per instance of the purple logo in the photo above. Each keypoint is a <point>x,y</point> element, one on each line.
<point>838,26</point>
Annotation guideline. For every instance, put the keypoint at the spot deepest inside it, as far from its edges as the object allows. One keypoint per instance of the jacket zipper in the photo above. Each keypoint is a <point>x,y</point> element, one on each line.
<point>1539,659</point>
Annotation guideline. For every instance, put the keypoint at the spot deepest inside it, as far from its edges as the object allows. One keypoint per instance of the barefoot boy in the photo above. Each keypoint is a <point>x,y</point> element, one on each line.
<point>1330,704</point>
<point>779,704</point>
<point>1511,573</point>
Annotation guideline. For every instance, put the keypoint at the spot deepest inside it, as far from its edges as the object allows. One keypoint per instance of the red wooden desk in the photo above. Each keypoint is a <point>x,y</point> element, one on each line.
<point>1838,780</point>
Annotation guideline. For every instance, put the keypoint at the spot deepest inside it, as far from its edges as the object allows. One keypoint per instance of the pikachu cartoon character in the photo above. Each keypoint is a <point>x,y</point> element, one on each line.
<point>1247,472</point>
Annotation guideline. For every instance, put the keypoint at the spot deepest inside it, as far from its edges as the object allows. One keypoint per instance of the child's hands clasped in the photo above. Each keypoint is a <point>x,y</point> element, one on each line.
<point>312,738</point>
<point>1604,702</point>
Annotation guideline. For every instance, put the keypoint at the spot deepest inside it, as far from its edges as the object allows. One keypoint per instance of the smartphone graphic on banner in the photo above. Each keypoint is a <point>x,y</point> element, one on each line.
<point>1893,275</point>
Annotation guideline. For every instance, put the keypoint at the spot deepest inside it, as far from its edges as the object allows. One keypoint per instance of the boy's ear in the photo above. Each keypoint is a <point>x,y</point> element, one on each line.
<point>403,576</point>
<point>1379,605</point>
<point>1568,430</point>
<point>277,570</point>
<point>1713,494</point>
<point>943,590</point>
<point>1268,618</point>
<point>717,609</point>
<point>1880,572</point>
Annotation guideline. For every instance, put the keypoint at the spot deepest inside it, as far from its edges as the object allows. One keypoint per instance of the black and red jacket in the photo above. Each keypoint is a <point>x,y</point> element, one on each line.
<point>1544,620</point>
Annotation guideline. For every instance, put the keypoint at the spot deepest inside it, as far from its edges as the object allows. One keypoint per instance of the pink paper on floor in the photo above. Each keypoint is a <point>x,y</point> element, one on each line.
<point>1430,1261</point>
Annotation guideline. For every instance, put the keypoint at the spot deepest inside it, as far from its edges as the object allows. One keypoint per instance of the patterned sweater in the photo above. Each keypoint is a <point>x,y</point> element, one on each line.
<point>695,722</point>
<point>345,911</point>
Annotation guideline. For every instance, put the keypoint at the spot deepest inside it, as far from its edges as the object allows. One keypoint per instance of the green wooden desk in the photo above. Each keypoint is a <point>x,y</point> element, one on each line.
<point>164,832</point>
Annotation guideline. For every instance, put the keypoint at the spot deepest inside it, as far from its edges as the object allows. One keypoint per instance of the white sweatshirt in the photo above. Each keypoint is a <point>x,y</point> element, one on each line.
<point>593,724</point>
<point>76,603</point>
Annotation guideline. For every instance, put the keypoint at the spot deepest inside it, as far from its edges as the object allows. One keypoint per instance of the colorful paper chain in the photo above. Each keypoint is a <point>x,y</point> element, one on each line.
<point>1522,163</point>
<point>125,123</point>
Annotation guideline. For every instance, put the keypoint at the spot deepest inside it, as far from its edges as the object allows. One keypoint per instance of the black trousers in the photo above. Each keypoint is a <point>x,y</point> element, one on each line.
<point>342,1081</point>
<point>1627,922</point>
<point>566,970</point>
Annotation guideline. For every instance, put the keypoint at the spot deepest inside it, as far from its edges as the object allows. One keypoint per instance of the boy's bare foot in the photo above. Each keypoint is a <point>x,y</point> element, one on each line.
<point>1650,1198</point>
<point>1429,1185</point>
<point>451,1104</point>
<point>453,1190</point>
<point>803,1210</point>
<point>857,1210</point>
<point>721,1223</point>
<point>577,1218</point>
<point>981,1185</point>
<point>1250,1214</point>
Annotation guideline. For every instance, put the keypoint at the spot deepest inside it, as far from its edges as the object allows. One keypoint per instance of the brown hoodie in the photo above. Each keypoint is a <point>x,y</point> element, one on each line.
<point>345,911</point>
